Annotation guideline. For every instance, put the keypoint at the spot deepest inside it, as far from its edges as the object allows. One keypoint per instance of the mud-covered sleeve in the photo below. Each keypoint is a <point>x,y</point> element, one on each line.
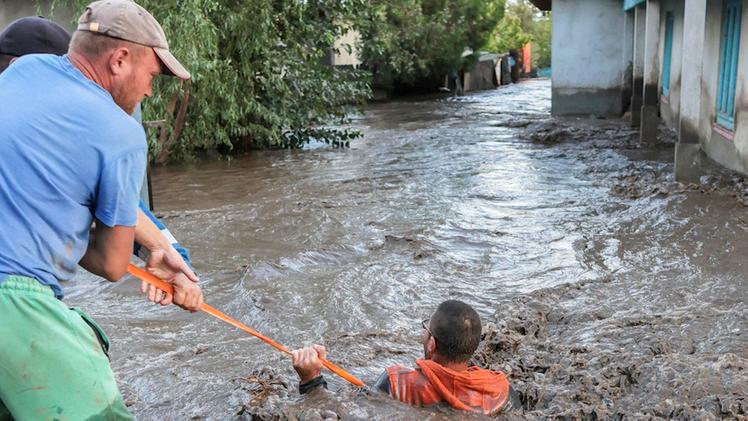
<point>383,383</point>
<point>316,382</point>
<point>512,403</point>
<point>141,252</point>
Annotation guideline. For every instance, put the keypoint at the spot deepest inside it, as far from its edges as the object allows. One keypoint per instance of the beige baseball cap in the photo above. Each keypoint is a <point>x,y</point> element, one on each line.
<point>127,20</point>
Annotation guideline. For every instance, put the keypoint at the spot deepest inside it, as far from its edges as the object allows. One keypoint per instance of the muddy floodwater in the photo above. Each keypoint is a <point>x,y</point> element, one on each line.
<point>608,291</point>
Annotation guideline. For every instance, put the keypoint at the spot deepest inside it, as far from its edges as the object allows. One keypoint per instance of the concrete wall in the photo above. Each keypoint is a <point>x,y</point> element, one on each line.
<point>587,49</point>
<point>670,106</point>
<point>728,149</point>
<point>11,10</point>
<point>350,40</point>
<point>740,140</point>
<point>709,84</point>
<point>627,63</point>
<point>590,37</point>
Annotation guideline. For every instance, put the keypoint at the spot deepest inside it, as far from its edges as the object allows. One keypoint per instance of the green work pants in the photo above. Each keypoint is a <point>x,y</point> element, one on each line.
<point>52,363</point>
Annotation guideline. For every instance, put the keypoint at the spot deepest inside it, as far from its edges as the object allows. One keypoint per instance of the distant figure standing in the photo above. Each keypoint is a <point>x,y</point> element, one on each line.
<point>458,83</point>
<point>516,65</point>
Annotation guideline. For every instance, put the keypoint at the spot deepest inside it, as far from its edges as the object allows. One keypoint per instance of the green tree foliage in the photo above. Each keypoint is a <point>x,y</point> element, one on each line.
<point>257,75</point>
<point>524,23</point>
<point>542,44</point>
<point>407,41</point>
<point>508,36</point>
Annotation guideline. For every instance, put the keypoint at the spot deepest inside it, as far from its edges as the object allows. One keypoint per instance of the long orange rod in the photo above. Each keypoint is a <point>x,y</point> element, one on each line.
<point>163,286</point>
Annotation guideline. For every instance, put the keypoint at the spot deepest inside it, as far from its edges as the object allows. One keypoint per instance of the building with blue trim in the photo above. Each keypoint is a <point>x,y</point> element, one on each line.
<point>678,61</point>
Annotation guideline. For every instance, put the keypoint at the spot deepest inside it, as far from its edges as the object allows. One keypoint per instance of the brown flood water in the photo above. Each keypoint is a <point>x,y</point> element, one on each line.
<point>608,291</point>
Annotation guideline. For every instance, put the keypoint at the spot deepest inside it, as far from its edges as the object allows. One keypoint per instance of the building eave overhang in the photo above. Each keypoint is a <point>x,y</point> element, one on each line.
<point>542,4</point>
<point>547,4</point>
<point>630,4</point>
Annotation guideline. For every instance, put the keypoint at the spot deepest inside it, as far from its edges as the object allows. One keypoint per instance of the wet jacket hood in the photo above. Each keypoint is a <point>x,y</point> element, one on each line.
<point>475,390</point>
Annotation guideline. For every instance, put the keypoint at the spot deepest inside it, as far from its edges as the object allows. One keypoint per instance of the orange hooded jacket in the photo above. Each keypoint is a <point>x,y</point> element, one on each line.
<point>475,390</point>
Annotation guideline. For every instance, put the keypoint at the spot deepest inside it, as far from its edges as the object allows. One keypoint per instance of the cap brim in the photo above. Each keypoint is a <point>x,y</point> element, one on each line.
<point>172,67</point>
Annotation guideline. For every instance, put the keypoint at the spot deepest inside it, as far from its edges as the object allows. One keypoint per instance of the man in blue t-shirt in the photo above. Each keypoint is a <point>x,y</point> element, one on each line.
<point>72,156</point>
<point>37,35</point>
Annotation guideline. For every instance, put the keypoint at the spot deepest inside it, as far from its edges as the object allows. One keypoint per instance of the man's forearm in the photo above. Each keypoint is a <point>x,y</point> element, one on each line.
<point>143,252</point>
<point>149,235</point>
<point>162,259</point>
<point>108,253</point>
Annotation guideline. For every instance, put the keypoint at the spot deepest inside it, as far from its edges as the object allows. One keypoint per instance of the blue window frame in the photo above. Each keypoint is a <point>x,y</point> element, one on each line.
<point>669,19</point>
<point>729,63</point>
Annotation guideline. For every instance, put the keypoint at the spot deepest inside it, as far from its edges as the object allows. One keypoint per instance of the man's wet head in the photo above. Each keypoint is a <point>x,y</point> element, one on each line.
<point>453,333</point>
<point>122,47</point>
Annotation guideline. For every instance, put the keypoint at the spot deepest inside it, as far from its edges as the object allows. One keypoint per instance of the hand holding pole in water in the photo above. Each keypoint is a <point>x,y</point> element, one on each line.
<point>158,283</point>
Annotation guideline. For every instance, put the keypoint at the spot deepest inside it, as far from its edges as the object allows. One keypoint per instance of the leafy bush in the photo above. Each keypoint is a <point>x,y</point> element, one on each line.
<point>407,41</point>
<point>257,76</point>
<point>524,23</point>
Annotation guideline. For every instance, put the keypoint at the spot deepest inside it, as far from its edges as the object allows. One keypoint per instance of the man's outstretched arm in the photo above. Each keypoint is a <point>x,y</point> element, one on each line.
<point>306,362</point>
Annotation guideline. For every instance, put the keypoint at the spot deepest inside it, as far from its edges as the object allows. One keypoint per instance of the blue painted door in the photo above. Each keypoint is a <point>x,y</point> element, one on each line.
<point>729,63</point>
<point>669,19</point>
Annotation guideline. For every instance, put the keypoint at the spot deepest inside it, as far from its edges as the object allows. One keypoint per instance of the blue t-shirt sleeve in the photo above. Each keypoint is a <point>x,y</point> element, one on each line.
<point>185,253</point>
<point>119,188</point>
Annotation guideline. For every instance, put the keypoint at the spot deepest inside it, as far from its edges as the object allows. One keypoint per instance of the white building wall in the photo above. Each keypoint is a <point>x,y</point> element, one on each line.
<point>588,70</point>
<point>627,88</point>
<point>670,106</point>
<point>344,57</point>
<point>718,147</point>
<point>587,50</point>
<point>740,139</point>
<point>730,150</point>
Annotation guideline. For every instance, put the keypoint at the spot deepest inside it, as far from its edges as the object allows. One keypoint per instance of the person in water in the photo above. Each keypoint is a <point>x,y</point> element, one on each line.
<point>451,336</point>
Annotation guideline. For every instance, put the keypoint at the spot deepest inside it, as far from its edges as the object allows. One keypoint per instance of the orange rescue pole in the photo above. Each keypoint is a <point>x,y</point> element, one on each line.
<point>163,286</point>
